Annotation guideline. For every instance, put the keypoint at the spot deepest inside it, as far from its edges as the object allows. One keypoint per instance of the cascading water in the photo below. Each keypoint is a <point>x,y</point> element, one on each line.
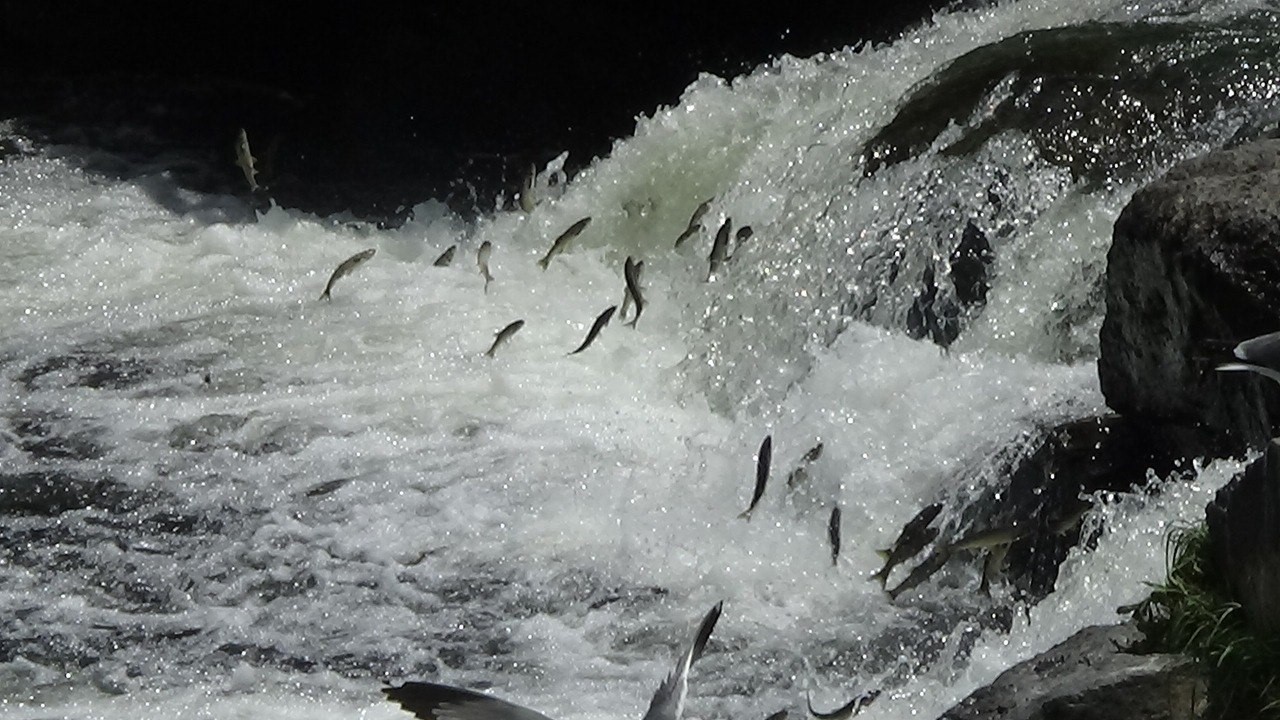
<point>223,497</point>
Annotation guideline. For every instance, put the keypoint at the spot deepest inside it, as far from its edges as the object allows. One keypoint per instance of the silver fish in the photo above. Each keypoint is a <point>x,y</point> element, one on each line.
<point>482,259</point>
<point>346,268</point>
<point>915,535</point>
<point>694,219</point>
<point>988,538</point>
<point>991,567</point>
<point>503,335</point>
<point>853,707</point>
<point>246,160</point>
<point>626,291</point>
<point>631,272</point>
<point>833,533</point>
<point>596,327</point>
<point>430,701</point>
<point>925,570</point>
<point>719,249</point>
<point>1070,517</point>
<point>446,257</point>
<point>562,241</point>
<point>801,473</point>
<point>528,199</point>
<point>762,475</point>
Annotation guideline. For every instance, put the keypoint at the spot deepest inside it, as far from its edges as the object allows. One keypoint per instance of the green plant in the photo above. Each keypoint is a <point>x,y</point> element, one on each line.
<point>1191,613</point>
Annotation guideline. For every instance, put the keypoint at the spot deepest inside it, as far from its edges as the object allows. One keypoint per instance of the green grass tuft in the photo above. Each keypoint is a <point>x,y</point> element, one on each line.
<point>1190,613</point>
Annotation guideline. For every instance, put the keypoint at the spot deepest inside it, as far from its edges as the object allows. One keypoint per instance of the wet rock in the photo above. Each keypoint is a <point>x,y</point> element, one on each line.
<point>55,436</point>
<point>85,369</point>
<point>1096,99</point>
<point>1033,484</point>
<point>1244,537</point>
<point>54,493</point>
<point>971,266</point>
<point>1091,677</point>
<point>1194,268</point>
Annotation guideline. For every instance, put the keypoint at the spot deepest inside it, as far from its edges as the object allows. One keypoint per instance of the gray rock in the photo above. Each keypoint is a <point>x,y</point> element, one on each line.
<point>1193,270</point>
<point>1244,537</point>
<point>1089,677</point>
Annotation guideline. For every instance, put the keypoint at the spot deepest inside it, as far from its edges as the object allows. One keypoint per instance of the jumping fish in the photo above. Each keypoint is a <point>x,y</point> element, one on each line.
<point>915,535</point>
<point>596,327</point>
<point>503,335</point>
<point>346,268</point>
<point>446,257</point>
<point>246,160</point>
<point>801,473</point>
<point>528,201</point>
<point>631,272</point>
<point>430,701</point>
<point>626,291</point>
<point>849,709</point>
<point>561,242</point>
<point>991,567</point>
<point>694,224</point>
<point>833,533</point>
<point>988,538</point>
<point>719,249</point>
<point>925,570</point>
<point>1070,517</point>
<point>762,474</point>
<point>482,259</point>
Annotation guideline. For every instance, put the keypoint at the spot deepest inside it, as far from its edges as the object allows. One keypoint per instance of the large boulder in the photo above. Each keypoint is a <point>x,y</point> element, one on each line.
<point>1090,677</point>
<point>1194,268</point>
<point>1244,538</point>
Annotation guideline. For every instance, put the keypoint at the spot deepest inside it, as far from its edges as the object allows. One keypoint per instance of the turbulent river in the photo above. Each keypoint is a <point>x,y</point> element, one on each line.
<point>225,498</point>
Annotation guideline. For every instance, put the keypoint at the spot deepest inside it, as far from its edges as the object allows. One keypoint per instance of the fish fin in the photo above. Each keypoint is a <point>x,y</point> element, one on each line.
<point>544,262</point>
<point>325,296</point>
<point>884,554</point>
<point>746,514</point>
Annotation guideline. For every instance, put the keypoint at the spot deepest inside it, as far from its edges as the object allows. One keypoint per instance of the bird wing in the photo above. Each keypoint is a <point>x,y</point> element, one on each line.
<point>430,701</point>
<point>1263,350</point>
<point>1249,367</point>
<point>668,699</point>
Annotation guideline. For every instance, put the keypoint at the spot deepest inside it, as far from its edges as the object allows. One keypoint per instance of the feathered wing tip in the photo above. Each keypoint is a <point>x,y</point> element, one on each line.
<point>1248,367</point>
<point>704,633</point>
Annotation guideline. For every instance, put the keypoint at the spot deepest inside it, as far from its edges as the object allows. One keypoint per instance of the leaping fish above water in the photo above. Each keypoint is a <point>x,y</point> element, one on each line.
<point>346,268</point>
<point>915,535</point>
<point>853,707</point>
<point>562,241</point>
<point>528,199</point>
<point>246,160</point>
<point>1260,355</point>
<point>482,259</point>
<point>801,473</point>
<point>504,335</point>
<point>762,475</point>
<point>833,534</point>
<point>631,273</point>
<point>429,701</point>
<point>596,327</point>
<point>446,257</point>
<point>719,248</point>
<point>694,225</point>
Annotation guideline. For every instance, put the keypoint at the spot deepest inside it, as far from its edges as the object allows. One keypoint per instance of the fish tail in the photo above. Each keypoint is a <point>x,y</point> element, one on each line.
<point>325,295</point>
<point>544,262</point>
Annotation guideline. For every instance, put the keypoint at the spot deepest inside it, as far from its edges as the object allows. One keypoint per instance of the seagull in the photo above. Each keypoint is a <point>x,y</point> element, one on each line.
<point>1260,355</point>
<point>430,701</point>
